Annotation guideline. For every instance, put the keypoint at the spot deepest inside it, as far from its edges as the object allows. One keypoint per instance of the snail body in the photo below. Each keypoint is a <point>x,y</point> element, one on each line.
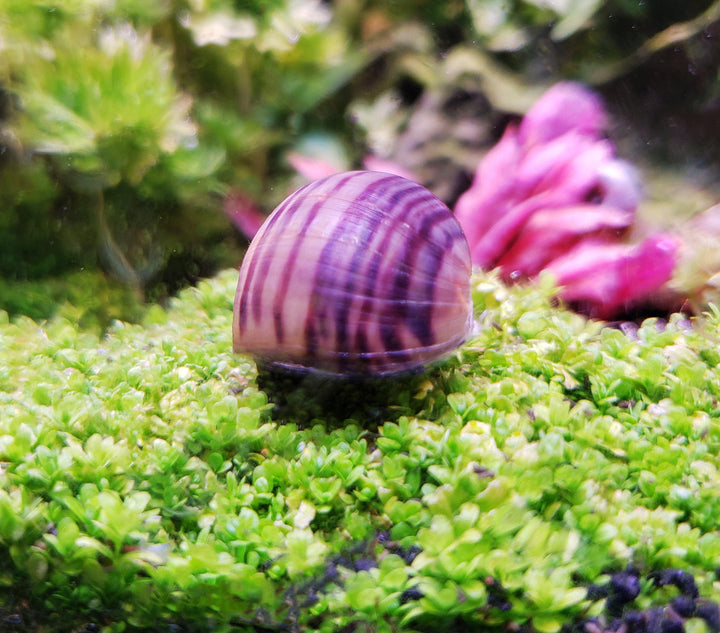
<point>356,274</point>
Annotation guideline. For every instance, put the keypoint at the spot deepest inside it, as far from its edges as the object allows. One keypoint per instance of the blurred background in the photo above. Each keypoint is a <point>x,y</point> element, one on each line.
<point>136,137</point>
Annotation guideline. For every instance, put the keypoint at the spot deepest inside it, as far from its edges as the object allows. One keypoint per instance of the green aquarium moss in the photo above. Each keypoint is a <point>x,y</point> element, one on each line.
<point>552,473</point>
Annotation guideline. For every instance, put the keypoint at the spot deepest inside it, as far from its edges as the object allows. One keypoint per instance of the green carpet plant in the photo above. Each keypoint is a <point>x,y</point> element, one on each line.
<point>152,480</point>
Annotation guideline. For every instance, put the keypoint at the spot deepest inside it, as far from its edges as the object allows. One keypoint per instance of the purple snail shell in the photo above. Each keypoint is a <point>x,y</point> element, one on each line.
<point>357,274</point>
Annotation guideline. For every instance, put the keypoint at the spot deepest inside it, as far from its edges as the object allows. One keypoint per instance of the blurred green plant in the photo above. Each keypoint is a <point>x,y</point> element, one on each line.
<point>125,123</point>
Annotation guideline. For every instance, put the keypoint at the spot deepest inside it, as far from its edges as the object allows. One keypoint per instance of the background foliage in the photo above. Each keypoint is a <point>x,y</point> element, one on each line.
<point>125,123</point>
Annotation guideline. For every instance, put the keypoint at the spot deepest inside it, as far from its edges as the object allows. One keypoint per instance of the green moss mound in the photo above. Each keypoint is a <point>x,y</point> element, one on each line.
<point>151,480</point>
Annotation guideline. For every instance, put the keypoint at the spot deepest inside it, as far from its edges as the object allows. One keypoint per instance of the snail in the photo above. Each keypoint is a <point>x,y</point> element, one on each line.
<point>357,274</point>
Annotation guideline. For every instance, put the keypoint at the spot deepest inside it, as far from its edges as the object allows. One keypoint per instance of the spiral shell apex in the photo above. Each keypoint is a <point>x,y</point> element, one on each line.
<point>357,274</point>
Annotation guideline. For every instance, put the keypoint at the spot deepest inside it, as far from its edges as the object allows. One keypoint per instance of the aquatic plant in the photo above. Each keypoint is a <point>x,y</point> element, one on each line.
<point>552,195</point>
<point>153,480</point>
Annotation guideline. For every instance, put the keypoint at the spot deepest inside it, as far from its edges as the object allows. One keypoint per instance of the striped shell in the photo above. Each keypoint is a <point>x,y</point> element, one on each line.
<point>359,274</point>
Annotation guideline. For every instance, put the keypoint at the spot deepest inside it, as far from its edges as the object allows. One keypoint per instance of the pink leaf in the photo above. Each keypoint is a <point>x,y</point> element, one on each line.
<point>552,232</point>
<point>309,167</point>
<point>552,194</point>
<point>243,213</point>
<point>608,278</point>
<point>493,189</point>
<point>566,107</point>
<point>375,163</point>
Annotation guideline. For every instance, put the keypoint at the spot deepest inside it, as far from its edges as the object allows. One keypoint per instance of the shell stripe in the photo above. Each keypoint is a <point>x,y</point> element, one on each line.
<point>342,312</point>
<point>420,319</point>
<point>326,281</point>
<point>281,293</point>
<point>417,205</point>
<point>265,264</point>
<point>276,224</point>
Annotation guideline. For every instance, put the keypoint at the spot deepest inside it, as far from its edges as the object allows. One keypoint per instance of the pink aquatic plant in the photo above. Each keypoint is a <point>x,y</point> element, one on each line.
<point>313,168</point>
<point>242,211</point>
<point>553,195</point>
<point>310,167</point>
<point>609,277</point>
